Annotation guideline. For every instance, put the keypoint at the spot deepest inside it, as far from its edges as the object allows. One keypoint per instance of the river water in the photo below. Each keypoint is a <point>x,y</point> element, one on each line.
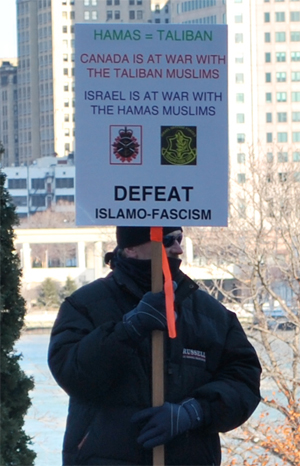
<point>46,418</point>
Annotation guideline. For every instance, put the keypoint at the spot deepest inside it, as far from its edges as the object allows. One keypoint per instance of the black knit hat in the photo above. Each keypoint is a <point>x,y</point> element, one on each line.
<point>134,236</point>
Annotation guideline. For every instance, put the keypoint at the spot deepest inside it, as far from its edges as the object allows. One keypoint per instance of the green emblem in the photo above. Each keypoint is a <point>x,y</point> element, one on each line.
<point>178,145</point>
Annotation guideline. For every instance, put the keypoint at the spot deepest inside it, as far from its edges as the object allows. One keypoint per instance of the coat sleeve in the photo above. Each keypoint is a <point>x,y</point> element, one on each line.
<point>232,395</point>
<point>87,359</point>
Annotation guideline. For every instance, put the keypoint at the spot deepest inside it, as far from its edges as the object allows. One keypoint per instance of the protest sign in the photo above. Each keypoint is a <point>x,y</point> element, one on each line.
<point>151,124</point>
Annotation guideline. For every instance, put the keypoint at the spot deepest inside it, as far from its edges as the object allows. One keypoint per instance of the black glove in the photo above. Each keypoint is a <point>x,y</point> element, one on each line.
<point>150,314</point>
<point>165,422</point>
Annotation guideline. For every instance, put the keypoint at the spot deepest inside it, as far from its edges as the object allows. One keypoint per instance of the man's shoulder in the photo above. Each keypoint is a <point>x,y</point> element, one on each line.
<point>97,290</point>
<point>210,305</point>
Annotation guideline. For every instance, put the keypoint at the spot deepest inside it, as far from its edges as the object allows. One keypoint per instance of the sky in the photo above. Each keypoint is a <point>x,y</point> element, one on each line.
<point>8,27</point>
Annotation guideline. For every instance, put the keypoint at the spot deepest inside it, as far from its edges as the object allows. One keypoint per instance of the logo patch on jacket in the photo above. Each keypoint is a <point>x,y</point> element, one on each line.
<point>194,354</point>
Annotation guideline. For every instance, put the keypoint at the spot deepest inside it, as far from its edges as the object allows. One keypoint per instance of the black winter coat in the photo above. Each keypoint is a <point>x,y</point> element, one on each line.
<point>108,377</point>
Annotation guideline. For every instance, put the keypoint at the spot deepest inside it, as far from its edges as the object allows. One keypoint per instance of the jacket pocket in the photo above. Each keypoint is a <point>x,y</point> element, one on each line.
<point>185,378</point>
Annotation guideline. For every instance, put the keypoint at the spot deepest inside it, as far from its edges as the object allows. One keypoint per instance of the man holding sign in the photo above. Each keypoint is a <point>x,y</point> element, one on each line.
<point>100,354</point>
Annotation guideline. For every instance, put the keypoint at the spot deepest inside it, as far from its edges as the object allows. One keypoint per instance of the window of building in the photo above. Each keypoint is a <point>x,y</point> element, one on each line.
<point>38,200</point>
<point>282,136</point>
<point>241,178</point>
<point>131,2</point>
<point>157,20</point>
<point>267,37</point>
<point>131,14</point>
<point>94,14</point>
<point>108,2</point>
<point>64,198</point>
<point>240,118</point>
<point>295,116</point>
<point>240,97</point>
<point>109,15</point>
<point>268,57</point>
<point>65,29</point>
<point>279,16</point>
<point>66,103</point>
<point>295,96</point>
<point>66,117</point>
<point>282,117</point>
<point>295,75</point>
<point>239,38</point>
<point>94,2</point>
<point>19,201</point>
<point>139,14</point>
<point>268,77</point>
<point>117,14</point>
<point>296,136</point>
<point>86,15</point>
<point>268,97</point>
<point>66,71</point>
<point>241,157</point>
<point>280,37</point>
<point>86,2</point>
<point>282,157</point>
<point>64,182</point>
<point>297,179</point>
<point>239,59</point>
<point>281,96</point>
<point>238,19</point>
<point>17,183</point>
<point>117,2</point>
<point>37,183</point>
<point>67,132</point>
<point>281,77</point>
<point>64,15</point>
<point>241,138</point>
<point>295,56</point>
<point>296,156</point>
<point>65,57</point>
<point>295,36</point>
<point>295,15</point>
<point>267,17</point>
<point>72,14</point>
<point>270,157</point>
<point>269,137</point>
<point>239,78</point>
<point>268,117</point>
<point>280,56</point>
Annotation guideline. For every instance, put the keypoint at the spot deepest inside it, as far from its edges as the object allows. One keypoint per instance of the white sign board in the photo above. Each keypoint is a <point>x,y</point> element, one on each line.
<point>151,124</point>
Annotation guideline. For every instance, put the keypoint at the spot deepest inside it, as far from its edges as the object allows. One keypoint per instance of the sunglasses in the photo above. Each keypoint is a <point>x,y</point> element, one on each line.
<point>169,240</point>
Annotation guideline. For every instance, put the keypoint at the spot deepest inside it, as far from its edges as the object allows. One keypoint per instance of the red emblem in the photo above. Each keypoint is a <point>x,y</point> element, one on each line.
<point>126,146</point>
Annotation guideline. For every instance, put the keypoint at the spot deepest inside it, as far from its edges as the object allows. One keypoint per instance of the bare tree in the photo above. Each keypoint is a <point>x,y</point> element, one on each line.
<point>260,252</point>
<point>49,219</point>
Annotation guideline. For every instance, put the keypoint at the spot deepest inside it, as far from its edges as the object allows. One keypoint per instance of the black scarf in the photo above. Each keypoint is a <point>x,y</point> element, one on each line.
<point>140,270</point>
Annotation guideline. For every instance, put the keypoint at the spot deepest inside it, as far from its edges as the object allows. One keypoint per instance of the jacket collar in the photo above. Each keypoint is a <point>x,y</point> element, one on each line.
<point>186,285</point>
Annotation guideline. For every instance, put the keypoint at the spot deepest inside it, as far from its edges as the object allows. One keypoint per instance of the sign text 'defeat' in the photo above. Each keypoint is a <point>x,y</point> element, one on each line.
<point>151,124</point>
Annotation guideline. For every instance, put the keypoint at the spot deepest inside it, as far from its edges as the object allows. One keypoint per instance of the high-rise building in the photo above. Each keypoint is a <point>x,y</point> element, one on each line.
<point>9,111</point>
<point>263,78</point>
<point>46,90</point>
